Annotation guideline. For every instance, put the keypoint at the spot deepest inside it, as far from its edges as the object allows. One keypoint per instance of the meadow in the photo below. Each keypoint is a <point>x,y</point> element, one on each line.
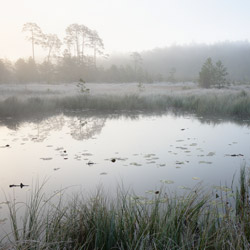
<point>28,100</point>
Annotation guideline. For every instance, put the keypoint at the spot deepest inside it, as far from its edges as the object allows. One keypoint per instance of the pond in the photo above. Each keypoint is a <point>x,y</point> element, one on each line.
<point>138,151</point>
<point>83,151</point>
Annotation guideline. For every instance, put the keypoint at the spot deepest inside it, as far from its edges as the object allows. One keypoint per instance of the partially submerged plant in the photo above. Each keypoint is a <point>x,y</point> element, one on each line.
<point>195,220</point>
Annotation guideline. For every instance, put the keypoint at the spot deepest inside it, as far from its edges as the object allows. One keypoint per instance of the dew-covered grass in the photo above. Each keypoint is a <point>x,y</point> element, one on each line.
<point>198,219</point>
<point>161,98</point>
<point>235,105</point>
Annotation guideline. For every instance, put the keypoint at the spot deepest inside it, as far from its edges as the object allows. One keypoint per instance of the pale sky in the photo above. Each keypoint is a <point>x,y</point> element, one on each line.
<point>126,25</point>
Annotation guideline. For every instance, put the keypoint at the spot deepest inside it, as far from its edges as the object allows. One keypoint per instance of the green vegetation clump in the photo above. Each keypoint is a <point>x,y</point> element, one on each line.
<point>195,220</point>
<point>224,104</point>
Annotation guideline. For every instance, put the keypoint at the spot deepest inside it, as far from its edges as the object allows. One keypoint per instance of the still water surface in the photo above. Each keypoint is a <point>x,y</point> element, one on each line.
<point>142,152</point>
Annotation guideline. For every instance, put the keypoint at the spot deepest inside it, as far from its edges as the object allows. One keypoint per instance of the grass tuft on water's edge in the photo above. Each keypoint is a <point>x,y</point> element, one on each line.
<point>229,104</point>
<point>195,220</point>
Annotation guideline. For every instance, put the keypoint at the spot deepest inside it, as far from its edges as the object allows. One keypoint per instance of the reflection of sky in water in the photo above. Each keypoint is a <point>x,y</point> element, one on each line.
<point>148,150</point>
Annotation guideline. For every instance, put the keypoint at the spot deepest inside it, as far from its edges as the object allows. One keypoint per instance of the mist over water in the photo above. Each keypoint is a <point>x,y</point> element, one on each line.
<point>150,151</point>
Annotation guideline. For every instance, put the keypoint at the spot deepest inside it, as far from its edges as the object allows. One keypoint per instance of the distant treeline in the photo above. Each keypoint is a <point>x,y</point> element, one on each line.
<point>173,64</point>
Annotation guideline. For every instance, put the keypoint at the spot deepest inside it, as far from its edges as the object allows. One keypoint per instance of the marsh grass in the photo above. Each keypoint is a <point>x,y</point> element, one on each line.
<point>229,104</point>
<point>193,220</point>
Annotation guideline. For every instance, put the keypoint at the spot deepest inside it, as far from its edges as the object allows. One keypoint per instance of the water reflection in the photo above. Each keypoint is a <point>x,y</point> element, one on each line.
<point>144,150</point>
<point>94,120</point>
<point>83,128</point>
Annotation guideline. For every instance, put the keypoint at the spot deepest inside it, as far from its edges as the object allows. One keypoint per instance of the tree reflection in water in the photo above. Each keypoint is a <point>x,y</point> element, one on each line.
<point>83,128</point>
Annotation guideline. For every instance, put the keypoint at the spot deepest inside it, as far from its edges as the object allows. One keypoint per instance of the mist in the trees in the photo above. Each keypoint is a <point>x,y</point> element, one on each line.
<point>81,54</point>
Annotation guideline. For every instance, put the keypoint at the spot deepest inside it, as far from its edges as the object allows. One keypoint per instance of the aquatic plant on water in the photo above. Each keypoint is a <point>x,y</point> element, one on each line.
<point>196,220</point>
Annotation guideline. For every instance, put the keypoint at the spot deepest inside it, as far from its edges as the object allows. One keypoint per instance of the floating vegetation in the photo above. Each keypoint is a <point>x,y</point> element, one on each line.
<point>161,165</point>
<point>179,140</point>
<point>184,187</point>
<point>211,154</point>
<point>149,155</point>
<point>222,188</point>
<point>150,162</point>
<point>135,164</point>
<point>193,144</point>
<point>87,154</point>
<point>167,181</point>
<point>179,162</point>
<point>150,192</point>
<point>234,155</point>
<point>59,149</point>
<point>46,158</point>
<point>155,158</point>
<point>121,159</point>
<point>55,169</point>
<point>103,173</point>
<point>195,178</point>
<point>205,162</point>
<point>182,148</point>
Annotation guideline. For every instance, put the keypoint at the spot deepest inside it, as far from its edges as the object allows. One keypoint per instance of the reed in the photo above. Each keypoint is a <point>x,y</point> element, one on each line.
<point>195,220</point>
<point>230,104</point>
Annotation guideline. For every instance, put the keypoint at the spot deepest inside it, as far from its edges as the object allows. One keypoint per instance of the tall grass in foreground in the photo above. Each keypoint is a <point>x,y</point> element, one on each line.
<point>234,104</point>
<point>195,220</point>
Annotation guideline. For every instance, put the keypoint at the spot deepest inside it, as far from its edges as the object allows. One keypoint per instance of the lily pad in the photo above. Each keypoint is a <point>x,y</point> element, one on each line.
<point>162,165</point>
<point>135,164</point>
<point>149,155</point>
<point>103,173</point>
<point>195,178</point>
<point>211,154</point>
<point>205,162</point>
<point>182,148</point>
<point>184,187</point>
<point>167,181</point>
<point>222,188</point>
<point>179,162</point>
<point>46,158</point>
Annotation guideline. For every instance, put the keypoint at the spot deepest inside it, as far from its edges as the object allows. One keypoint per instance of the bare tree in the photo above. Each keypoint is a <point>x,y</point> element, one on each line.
<point>85,33</point>
<point>96,44</point>
<point>35,35</point>
<point>52,44</point>
<point>72,38</point>
<point>77,38</point>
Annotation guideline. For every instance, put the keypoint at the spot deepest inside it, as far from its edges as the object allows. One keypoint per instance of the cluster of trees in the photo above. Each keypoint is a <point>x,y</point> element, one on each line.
<point>78,38</point>
<point>68,69</point>
<point>213,75</point>
<point>75,57</point>
<point>78,59</point>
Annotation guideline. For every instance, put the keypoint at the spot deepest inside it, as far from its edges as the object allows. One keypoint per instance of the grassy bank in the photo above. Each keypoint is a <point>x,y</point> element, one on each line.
<point>228,104</point>
<point>196,220</point>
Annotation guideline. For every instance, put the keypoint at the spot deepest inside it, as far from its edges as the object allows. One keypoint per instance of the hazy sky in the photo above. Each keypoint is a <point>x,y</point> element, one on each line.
<point>126,25</point>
